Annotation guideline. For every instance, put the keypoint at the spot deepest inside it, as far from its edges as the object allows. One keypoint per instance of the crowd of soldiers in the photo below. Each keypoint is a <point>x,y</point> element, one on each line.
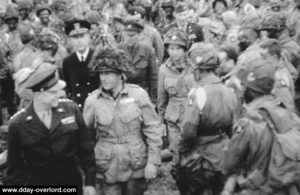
<point>101,92</point>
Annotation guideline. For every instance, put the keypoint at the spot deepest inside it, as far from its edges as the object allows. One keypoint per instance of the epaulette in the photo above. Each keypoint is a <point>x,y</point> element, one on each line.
<point>18,113</point>
<point>65,100</point>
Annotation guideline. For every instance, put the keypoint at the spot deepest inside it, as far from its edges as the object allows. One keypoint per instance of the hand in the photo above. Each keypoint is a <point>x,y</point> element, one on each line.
<point>89,190</point>
<point>150,171</point>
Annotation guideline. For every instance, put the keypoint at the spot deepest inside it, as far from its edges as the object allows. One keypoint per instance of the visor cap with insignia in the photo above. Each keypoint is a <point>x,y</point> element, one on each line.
<point>181,7</point>
<point>45,77</point>
<point>109,59</point>
<point>133,23</point>
<point>135,10</point>
<point>77,26</point>
<point>176,36</point>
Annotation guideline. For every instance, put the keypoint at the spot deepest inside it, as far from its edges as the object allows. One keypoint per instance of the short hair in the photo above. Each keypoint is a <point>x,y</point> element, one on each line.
<point>221,1</point>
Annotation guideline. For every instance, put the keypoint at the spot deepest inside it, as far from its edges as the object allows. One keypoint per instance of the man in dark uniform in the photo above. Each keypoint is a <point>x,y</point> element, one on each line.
<point>182,13</point>
<point>46,139</point>
<point>80,81</point>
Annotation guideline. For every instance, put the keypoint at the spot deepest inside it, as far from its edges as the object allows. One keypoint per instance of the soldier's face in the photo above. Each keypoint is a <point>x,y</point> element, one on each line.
<point>24,13</point>
<point>176,52</point>
<point>12,24</point>
<point>220,8</point>
<point>50,98</point>
<point>110,80</point>
<point>80,42</point>
<point>44,16</point>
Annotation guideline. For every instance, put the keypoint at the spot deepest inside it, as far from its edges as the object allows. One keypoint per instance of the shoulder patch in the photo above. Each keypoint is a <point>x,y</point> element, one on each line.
<point>18,113</point>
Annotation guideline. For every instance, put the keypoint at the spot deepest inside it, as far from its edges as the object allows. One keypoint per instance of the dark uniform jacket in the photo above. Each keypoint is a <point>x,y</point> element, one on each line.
<point>41,156</point>
<point>80,81</point>
<point>144,67</point>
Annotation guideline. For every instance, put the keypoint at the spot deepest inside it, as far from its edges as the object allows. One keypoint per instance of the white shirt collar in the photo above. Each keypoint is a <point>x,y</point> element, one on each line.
<point>84,55</point>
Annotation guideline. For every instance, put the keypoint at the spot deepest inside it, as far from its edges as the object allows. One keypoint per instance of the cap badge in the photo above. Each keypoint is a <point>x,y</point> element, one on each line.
<point>129,26</point>
<point>29,118</point>
<point>76,26</point>
<point>174,37</point>
<point>199,59</point>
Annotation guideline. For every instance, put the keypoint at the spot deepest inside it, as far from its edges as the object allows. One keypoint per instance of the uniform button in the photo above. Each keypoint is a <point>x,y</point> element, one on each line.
<point>77,84</point>
<point>88,83</point>
<point>78,95</point>
<point>79,105</point>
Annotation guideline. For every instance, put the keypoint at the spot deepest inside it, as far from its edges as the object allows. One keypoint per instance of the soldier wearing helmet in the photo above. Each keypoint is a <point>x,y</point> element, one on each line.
<point>43,12</point>
<point>127,128</point>
<point>210,113</point>
<point>175,79</point>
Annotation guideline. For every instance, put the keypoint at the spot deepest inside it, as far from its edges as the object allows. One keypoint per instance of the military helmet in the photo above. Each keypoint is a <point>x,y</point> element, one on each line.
<point>93,17</point>
<point>176,37</point>
<point>167,3</point>
<point>26,4</point>
<point>208,61</point>
<point>11,13</point>
<point>46,41</point>
<point>109,59</point>
<point>42,8</point>
<point>274,21</point>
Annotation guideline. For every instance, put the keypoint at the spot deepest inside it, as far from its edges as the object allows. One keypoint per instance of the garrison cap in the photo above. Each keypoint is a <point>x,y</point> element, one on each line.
<point>76,27</point>
<point>44,78</point>
<point>176,36</point>
<point>93,17</point>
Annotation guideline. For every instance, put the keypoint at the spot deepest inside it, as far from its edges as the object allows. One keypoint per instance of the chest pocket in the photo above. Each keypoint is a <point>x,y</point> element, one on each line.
<point>30,140</point>
<point>104,119</point>
<point>131,116</point>
<point>171,86</point>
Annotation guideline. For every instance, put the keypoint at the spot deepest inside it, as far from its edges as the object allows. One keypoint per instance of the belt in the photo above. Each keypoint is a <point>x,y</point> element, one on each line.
<point>121,140</point>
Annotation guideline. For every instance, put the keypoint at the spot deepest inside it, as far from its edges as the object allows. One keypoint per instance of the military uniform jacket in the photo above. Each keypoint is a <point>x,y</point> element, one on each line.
<point>173,88</point>
<point>128,133</point>
<point>144,67</point>
<point>80,81</point>
<point>41,156</point>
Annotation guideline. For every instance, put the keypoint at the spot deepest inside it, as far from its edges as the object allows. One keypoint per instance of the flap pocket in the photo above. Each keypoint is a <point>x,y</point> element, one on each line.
<point>171,85</point>
<point>104,117</point>
<point>131,112</point>
<point>138,155</point>
<point>30,140</point>
<point>103,156</point>
<point>141,64</point>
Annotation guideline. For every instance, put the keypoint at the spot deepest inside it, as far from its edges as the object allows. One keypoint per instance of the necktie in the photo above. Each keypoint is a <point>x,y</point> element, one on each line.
<point>82,59</point>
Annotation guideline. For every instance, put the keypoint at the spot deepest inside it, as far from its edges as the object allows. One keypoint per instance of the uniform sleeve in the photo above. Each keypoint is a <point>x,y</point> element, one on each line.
<point>190,126</point>
<point>162,95</point>
<point>15,174</point>
<point>238,147</point>
<point>158,44</point>
<point>152,129</point>
<point>86,150</point>
<point>153,69</point>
